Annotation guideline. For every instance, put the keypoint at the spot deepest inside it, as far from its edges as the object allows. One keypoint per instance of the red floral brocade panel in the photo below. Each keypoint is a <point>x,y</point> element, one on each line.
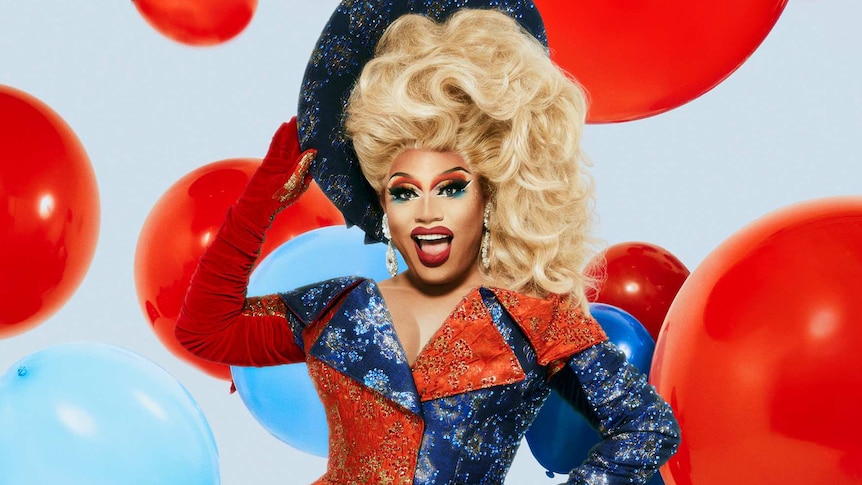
<point>467,353</point>
<point>556,327</point>
<point>371,439</point>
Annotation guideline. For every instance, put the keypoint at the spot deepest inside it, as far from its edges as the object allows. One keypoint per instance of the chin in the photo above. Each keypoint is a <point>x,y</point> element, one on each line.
<point>439,281</point>
<point>442,275</point>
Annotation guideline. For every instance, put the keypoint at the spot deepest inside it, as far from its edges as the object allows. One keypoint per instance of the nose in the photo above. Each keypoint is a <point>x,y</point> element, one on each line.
<point>428,210</point>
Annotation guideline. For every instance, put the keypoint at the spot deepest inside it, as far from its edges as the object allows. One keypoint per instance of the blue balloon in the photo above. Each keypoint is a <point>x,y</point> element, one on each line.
<point>560,438</point>
<point>627,333</point>
<point>282,398</point>
<point>90,413</point>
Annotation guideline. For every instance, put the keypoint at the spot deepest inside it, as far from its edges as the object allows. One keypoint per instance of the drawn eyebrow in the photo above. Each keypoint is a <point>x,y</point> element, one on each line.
<point>455,169</point>
<point>445,172</point>
<point>401,174</point>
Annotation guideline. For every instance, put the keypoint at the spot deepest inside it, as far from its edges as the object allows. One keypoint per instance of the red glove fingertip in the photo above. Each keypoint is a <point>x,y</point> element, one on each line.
<point>285,142</point>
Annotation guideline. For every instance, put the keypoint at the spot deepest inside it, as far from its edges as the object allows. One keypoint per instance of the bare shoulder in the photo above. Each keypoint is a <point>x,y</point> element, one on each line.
<point>393,285</point>
<point>397,294</point>
<point>388,283</point>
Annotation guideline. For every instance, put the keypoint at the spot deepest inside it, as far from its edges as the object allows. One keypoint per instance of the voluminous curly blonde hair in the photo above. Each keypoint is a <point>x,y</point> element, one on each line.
<point>481,86</point>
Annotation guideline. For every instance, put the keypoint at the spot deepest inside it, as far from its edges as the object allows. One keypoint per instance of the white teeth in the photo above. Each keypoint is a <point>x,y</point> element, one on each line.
<point>431,237</point>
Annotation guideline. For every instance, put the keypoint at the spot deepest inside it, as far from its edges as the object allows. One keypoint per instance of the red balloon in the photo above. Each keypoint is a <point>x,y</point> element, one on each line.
<point>49,212</point>
<point>179,228</point>
<point>198,22</point>
<point>640,278</point>
<point>761,353</point>
<point>639,59</point>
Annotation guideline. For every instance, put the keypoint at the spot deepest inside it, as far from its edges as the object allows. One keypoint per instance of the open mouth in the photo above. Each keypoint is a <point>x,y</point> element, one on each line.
<point>432,245</point>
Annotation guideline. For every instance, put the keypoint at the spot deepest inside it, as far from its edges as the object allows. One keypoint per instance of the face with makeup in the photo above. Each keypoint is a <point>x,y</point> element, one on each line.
<point>435,206</point>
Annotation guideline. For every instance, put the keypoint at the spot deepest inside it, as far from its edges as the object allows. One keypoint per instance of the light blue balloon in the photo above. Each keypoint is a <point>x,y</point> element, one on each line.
<point>282,398</point>
<point>90,413</point>
<point>317,255</point>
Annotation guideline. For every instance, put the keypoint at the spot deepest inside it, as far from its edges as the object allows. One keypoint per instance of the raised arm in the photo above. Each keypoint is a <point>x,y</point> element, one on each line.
<point>217,322</point>
<point>639,431</point>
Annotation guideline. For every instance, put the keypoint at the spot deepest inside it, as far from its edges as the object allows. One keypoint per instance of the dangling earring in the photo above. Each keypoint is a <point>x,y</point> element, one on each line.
<point>391,259</point>
<point>486,238</point>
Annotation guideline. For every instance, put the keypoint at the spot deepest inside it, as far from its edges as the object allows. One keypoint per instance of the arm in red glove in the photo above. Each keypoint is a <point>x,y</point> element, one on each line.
<point>217,322</point>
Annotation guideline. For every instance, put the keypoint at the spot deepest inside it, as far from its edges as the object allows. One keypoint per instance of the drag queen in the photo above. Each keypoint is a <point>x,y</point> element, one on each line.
<point>467,139</point>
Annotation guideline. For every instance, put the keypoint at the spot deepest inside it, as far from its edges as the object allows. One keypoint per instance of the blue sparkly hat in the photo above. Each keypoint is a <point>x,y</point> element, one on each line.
<point>346,44</point>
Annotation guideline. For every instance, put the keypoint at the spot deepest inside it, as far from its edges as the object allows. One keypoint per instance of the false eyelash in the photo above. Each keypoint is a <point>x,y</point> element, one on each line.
<point>459,186</point>
<point>401,193</point>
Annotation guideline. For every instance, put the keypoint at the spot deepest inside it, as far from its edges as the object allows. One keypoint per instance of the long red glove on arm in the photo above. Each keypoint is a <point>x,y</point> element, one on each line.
<point>217,322</point>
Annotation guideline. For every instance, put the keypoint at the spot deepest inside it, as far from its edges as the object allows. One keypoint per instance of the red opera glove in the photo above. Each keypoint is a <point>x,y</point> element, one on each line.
<point>280,180</point>
<point>216,321</point>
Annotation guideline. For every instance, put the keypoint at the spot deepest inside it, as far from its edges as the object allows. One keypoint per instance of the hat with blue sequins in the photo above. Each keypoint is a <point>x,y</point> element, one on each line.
<point>346,44</point>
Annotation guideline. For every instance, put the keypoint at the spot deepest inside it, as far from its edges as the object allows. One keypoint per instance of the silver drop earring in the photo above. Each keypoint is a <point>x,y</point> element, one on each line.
<point>391,259</point>
<point>486,239</point>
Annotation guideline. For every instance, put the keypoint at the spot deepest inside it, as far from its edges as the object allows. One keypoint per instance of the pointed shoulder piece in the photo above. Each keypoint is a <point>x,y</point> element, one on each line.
<point>309,302</point>
<point>360,342</point>
<point>467,353</point>
<point>556,327</point>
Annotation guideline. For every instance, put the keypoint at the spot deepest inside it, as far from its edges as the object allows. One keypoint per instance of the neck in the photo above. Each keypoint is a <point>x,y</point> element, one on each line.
<point>463,283</point>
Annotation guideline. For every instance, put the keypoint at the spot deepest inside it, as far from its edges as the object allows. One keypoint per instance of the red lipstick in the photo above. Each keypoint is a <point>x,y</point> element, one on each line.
<point>433,245</point>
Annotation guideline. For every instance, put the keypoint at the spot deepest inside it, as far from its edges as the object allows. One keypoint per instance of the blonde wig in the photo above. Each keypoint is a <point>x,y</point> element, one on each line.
<point>481,86</point>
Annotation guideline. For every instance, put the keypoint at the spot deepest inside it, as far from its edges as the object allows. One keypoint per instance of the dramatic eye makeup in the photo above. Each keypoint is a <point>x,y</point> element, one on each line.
<point>452,183</point>
<point>402,193</point>
<point>453,188</point>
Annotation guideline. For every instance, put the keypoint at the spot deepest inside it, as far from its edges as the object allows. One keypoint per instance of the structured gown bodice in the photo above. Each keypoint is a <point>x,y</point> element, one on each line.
<point>458,414</point>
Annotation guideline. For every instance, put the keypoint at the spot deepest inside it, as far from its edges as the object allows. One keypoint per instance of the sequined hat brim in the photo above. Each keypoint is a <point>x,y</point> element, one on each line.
<point>346,44</point>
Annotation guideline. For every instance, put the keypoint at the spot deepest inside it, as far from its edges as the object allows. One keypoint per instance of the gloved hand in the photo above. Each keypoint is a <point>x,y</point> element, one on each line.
<point>216,322</point>
<point>280,180</point>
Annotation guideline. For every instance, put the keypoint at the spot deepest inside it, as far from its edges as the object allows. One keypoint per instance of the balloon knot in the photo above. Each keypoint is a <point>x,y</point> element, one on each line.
<point>22,371</point>
<point>549,473</point>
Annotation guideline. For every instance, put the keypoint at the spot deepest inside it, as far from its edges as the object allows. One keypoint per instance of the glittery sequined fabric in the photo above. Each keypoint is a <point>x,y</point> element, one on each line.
<point>639,430</point>
<point>459,414</point>
<point>346,44</point>
<point>371,440</point>
<point>556,327</point>
<point>467,353</point>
